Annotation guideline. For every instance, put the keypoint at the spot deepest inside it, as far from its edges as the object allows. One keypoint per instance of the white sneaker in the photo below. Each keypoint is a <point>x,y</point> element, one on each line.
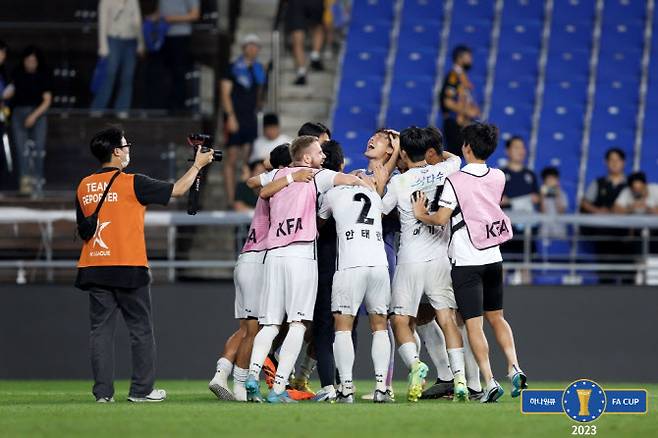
<point>105,400</point>
<point>157,395</point>
<point>219,387</point>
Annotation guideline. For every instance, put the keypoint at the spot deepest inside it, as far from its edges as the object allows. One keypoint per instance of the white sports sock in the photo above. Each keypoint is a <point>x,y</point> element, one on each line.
<point>239,377</point>
<point>344,358</point>
<point>409,353</point>
<point>224,366</point>
<point>262,344</point>
<point>381,352</point>
<point>419,343</point>
<point>470,364</point>
<point>435,343</point>
<point>315,55</point>
<point>491,384</point>
<point>456,356</point>
<point>301,71</point>
<point>290,349</point>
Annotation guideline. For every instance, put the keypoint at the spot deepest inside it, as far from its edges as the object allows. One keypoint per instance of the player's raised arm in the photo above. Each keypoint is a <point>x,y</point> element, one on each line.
<point>303,175</point>
<point>419,202</point>
<point>343,179</point>
<point>394,138</point>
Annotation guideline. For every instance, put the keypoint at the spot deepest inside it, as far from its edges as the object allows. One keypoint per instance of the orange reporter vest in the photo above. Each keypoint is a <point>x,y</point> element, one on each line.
<point>119,238</point>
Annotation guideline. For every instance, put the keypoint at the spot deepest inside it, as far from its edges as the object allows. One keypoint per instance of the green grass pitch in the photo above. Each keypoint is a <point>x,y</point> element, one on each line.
<point>66,409</point>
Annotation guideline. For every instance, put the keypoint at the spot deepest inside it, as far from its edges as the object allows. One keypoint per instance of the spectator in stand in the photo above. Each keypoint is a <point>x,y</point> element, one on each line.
<point>245,198</point>
<point>241,92</point>
<point>179,14</point>
<point>6,158</point>
<point>521,194</point>
<point>4,78</point>
<point>31,95</point>
<point>302,15</point>
<point>457,101</point>
<point>638,197</point>
<point>553,202</point>
<point>602,193</point>
<point>271,138</point>
<point>120,40</point>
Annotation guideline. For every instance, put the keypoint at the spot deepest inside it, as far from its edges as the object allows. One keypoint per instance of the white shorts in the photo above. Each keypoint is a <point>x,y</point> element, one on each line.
<point>412,280</point>
<point>290,285</point>
<point>248,280</point>
<point>353,286</point>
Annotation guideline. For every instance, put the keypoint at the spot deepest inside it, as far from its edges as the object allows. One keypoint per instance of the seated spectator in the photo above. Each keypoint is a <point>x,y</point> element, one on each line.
<point>271,138</point>
<point>601,193</point>
<point>245,198</point>
<point>120,40</point>
<point>553,201</point>
<point>638,197</point>
<point>31,95</point>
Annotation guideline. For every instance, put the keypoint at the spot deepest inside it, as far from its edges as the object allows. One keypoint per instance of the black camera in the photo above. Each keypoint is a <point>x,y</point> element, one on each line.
<point>206,143</point>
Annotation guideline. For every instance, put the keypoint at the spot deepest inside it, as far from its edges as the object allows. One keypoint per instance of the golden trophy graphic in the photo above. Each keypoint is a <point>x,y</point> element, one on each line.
<point>583,398</point>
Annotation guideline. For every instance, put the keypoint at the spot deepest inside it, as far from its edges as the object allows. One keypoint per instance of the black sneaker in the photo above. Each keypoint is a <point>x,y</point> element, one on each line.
<point>301,80</point>
<point>317,65</point>
<point>475,395</point>
<point>441,388</point>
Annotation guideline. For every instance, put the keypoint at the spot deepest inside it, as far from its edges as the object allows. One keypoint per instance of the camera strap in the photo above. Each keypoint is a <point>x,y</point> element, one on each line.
<point>107,189</point>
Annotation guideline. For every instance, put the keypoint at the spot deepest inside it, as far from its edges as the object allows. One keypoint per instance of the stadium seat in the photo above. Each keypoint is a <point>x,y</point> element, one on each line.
<point>372,10</point>
<point>370,62</point>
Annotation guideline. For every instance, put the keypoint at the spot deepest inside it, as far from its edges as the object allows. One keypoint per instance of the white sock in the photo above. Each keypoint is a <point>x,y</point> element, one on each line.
<point>262,344</point>
<point>409,353</point>
<point>315,55</point>
<point>290,349</point>
<point>301,71</point>
<point>418,342</point>
<point>381,352</point>
<point>239,377</point>
<point>224,368</point>
<point>470,364</point>
<point>456,356</point>
<point>491,384</point>
<point>308,365</point>
<point>344,358</point>
<point>435,343</point>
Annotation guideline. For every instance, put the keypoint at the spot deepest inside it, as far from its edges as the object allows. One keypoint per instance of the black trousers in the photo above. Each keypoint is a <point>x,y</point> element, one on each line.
<point>452,133</point>
<point>323,329</point>
<point>176,59</point>
<point>105,304</point>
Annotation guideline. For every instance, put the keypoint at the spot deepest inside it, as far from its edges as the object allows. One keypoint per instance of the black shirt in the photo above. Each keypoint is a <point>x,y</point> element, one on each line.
<point>30,88</point>
<point>148,191</point>
<point>245,194</point>
<point>327,248</point>
<point>520,183</point>
<point>450,90</point>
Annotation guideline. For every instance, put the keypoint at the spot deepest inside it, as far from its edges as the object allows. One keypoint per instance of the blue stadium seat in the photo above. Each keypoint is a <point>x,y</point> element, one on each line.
<point>525,9</point>
<point>371,62</point>
<point>360,89</point>
<point>423,9</point>
<point>368,10</point>
<point>521,90</point>
<point>582,10</point>
<point>420,33</point>
<point>400,116</point>
<point>473,9</point>
<point>369,35</point>
<point>572,60</point>
<point>415,62</point>
<point>416,91</point>
<point>355,117</point>
<point>619,63</point>
<point>516,34</point>
<point>622,33</point>
<point>517,63</point>
<point>571,33</point>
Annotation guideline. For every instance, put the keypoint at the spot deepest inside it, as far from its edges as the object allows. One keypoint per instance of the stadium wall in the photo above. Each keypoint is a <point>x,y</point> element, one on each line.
<point>562,333</point>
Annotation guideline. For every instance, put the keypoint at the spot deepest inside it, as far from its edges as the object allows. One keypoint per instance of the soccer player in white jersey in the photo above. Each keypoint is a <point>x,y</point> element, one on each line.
<point>422,262</point>
<point>477,273</point>
<point>290,277</point>
<point>361,277</point>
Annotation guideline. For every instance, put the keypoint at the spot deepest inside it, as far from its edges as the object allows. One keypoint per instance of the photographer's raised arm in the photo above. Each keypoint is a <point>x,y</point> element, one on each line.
<point>201,159</point>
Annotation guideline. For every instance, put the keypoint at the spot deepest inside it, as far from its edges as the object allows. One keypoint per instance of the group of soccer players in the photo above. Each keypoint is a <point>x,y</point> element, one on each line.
<point>438,284</point>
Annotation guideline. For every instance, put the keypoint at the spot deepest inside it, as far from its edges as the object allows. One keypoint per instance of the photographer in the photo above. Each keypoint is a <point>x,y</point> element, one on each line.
<point>553,201</point>
<point>113,266</point>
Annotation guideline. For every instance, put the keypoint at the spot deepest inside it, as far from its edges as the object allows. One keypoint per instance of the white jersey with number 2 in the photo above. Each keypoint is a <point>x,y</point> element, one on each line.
<point>358,215</point>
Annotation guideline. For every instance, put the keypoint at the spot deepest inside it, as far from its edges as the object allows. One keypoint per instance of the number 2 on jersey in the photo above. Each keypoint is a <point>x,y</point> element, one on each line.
<point>363,216</point>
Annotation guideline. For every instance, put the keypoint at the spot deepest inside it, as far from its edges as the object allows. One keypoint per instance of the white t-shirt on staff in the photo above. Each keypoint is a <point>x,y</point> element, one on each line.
<point>461,250</point>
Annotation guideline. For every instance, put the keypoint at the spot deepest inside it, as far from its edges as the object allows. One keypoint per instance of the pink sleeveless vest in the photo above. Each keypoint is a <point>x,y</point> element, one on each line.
<point>292,213</point>
<point>479,200</point>
<point>260,225</point>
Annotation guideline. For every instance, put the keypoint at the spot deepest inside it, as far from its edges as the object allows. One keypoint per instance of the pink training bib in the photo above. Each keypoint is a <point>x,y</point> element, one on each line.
<point>479,200</point>
<point>260,225</point>
<point>292,212</point>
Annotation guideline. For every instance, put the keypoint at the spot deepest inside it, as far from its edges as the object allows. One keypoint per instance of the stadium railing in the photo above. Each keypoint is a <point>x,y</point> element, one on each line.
<point>573,263</point>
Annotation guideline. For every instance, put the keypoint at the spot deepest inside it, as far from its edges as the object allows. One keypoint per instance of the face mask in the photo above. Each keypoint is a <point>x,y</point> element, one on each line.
<point>467,67</point>
<point>126,162</point>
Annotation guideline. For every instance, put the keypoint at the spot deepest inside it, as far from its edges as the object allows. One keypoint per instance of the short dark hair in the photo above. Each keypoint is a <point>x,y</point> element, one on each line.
<point>414,141</point>
<point>33,50</point>
<point>3,45</point>
<point>280,156</point>
<point>482,138</point>
<point>617,151</point>
<point>512,139</point>
<point>637,176</point>
<point>435,139</point>
<point>270,119</point>
<point>550,171</point>
<point>459,51</point>
<point>104,142</point>
<point>334,155</point>
<point>314,128</point>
